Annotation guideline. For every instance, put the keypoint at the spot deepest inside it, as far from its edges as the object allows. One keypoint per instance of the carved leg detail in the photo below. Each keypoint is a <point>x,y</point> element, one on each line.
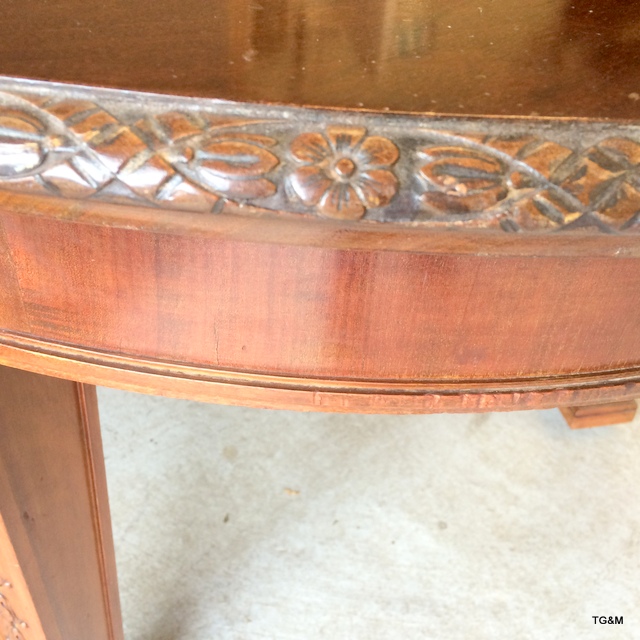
<point>599,415</point>
<point>19,619</point>
<point>56,550</point>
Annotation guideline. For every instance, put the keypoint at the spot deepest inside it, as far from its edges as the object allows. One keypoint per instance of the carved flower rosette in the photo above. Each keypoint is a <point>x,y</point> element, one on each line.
<point>342,172</point>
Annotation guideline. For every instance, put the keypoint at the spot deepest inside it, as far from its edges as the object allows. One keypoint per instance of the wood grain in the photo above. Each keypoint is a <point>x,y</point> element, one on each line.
<point>551,57</point>
<point>53,499</point>
<point>369,317</point>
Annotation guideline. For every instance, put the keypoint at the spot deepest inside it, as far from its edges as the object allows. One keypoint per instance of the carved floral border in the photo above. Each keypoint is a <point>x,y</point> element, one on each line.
<point>199,155</point>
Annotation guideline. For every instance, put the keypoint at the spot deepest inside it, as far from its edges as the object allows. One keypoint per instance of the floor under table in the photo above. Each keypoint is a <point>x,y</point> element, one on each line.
<point>245,524</point>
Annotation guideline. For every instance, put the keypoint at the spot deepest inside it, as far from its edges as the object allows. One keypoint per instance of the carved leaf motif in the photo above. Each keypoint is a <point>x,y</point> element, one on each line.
<point>607,193</point>
<point>236,168</point>
<point>462,180</point>
<point>612,188</point>
<point>548,209</point>
<point>233,159</point>
<point>609,159</point>
<point>20,149</point>
<point>170,160</point>
<point>536,182</point>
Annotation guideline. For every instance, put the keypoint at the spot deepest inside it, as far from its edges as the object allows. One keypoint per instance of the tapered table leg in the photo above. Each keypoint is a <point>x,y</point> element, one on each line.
<point>57,566</point>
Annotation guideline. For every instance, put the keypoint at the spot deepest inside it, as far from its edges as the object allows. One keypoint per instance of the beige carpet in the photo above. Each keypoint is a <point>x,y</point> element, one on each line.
<point>242,524</point>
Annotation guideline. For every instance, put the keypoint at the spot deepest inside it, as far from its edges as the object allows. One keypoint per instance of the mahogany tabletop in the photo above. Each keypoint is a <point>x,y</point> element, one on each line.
<point>556,58</point>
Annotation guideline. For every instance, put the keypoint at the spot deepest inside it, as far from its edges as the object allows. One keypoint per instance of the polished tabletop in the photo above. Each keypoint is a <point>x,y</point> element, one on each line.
<point>481,57</point>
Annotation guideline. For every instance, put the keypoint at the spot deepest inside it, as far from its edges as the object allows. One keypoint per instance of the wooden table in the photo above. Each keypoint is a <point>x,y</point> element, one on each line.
<point>383,206</point>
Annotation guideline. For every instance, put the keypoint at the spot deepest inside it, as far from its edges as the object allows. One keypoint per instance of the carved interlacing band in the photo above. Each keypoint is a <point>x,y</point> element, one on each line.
<point>199,155</point>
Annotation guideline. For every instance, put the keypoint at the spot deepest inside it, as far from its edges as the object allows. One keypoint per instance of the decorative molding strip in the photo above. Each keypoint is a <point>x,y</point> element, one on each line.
<point>199,155</point>
<point>108,361</point>
<point>181,381</point>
